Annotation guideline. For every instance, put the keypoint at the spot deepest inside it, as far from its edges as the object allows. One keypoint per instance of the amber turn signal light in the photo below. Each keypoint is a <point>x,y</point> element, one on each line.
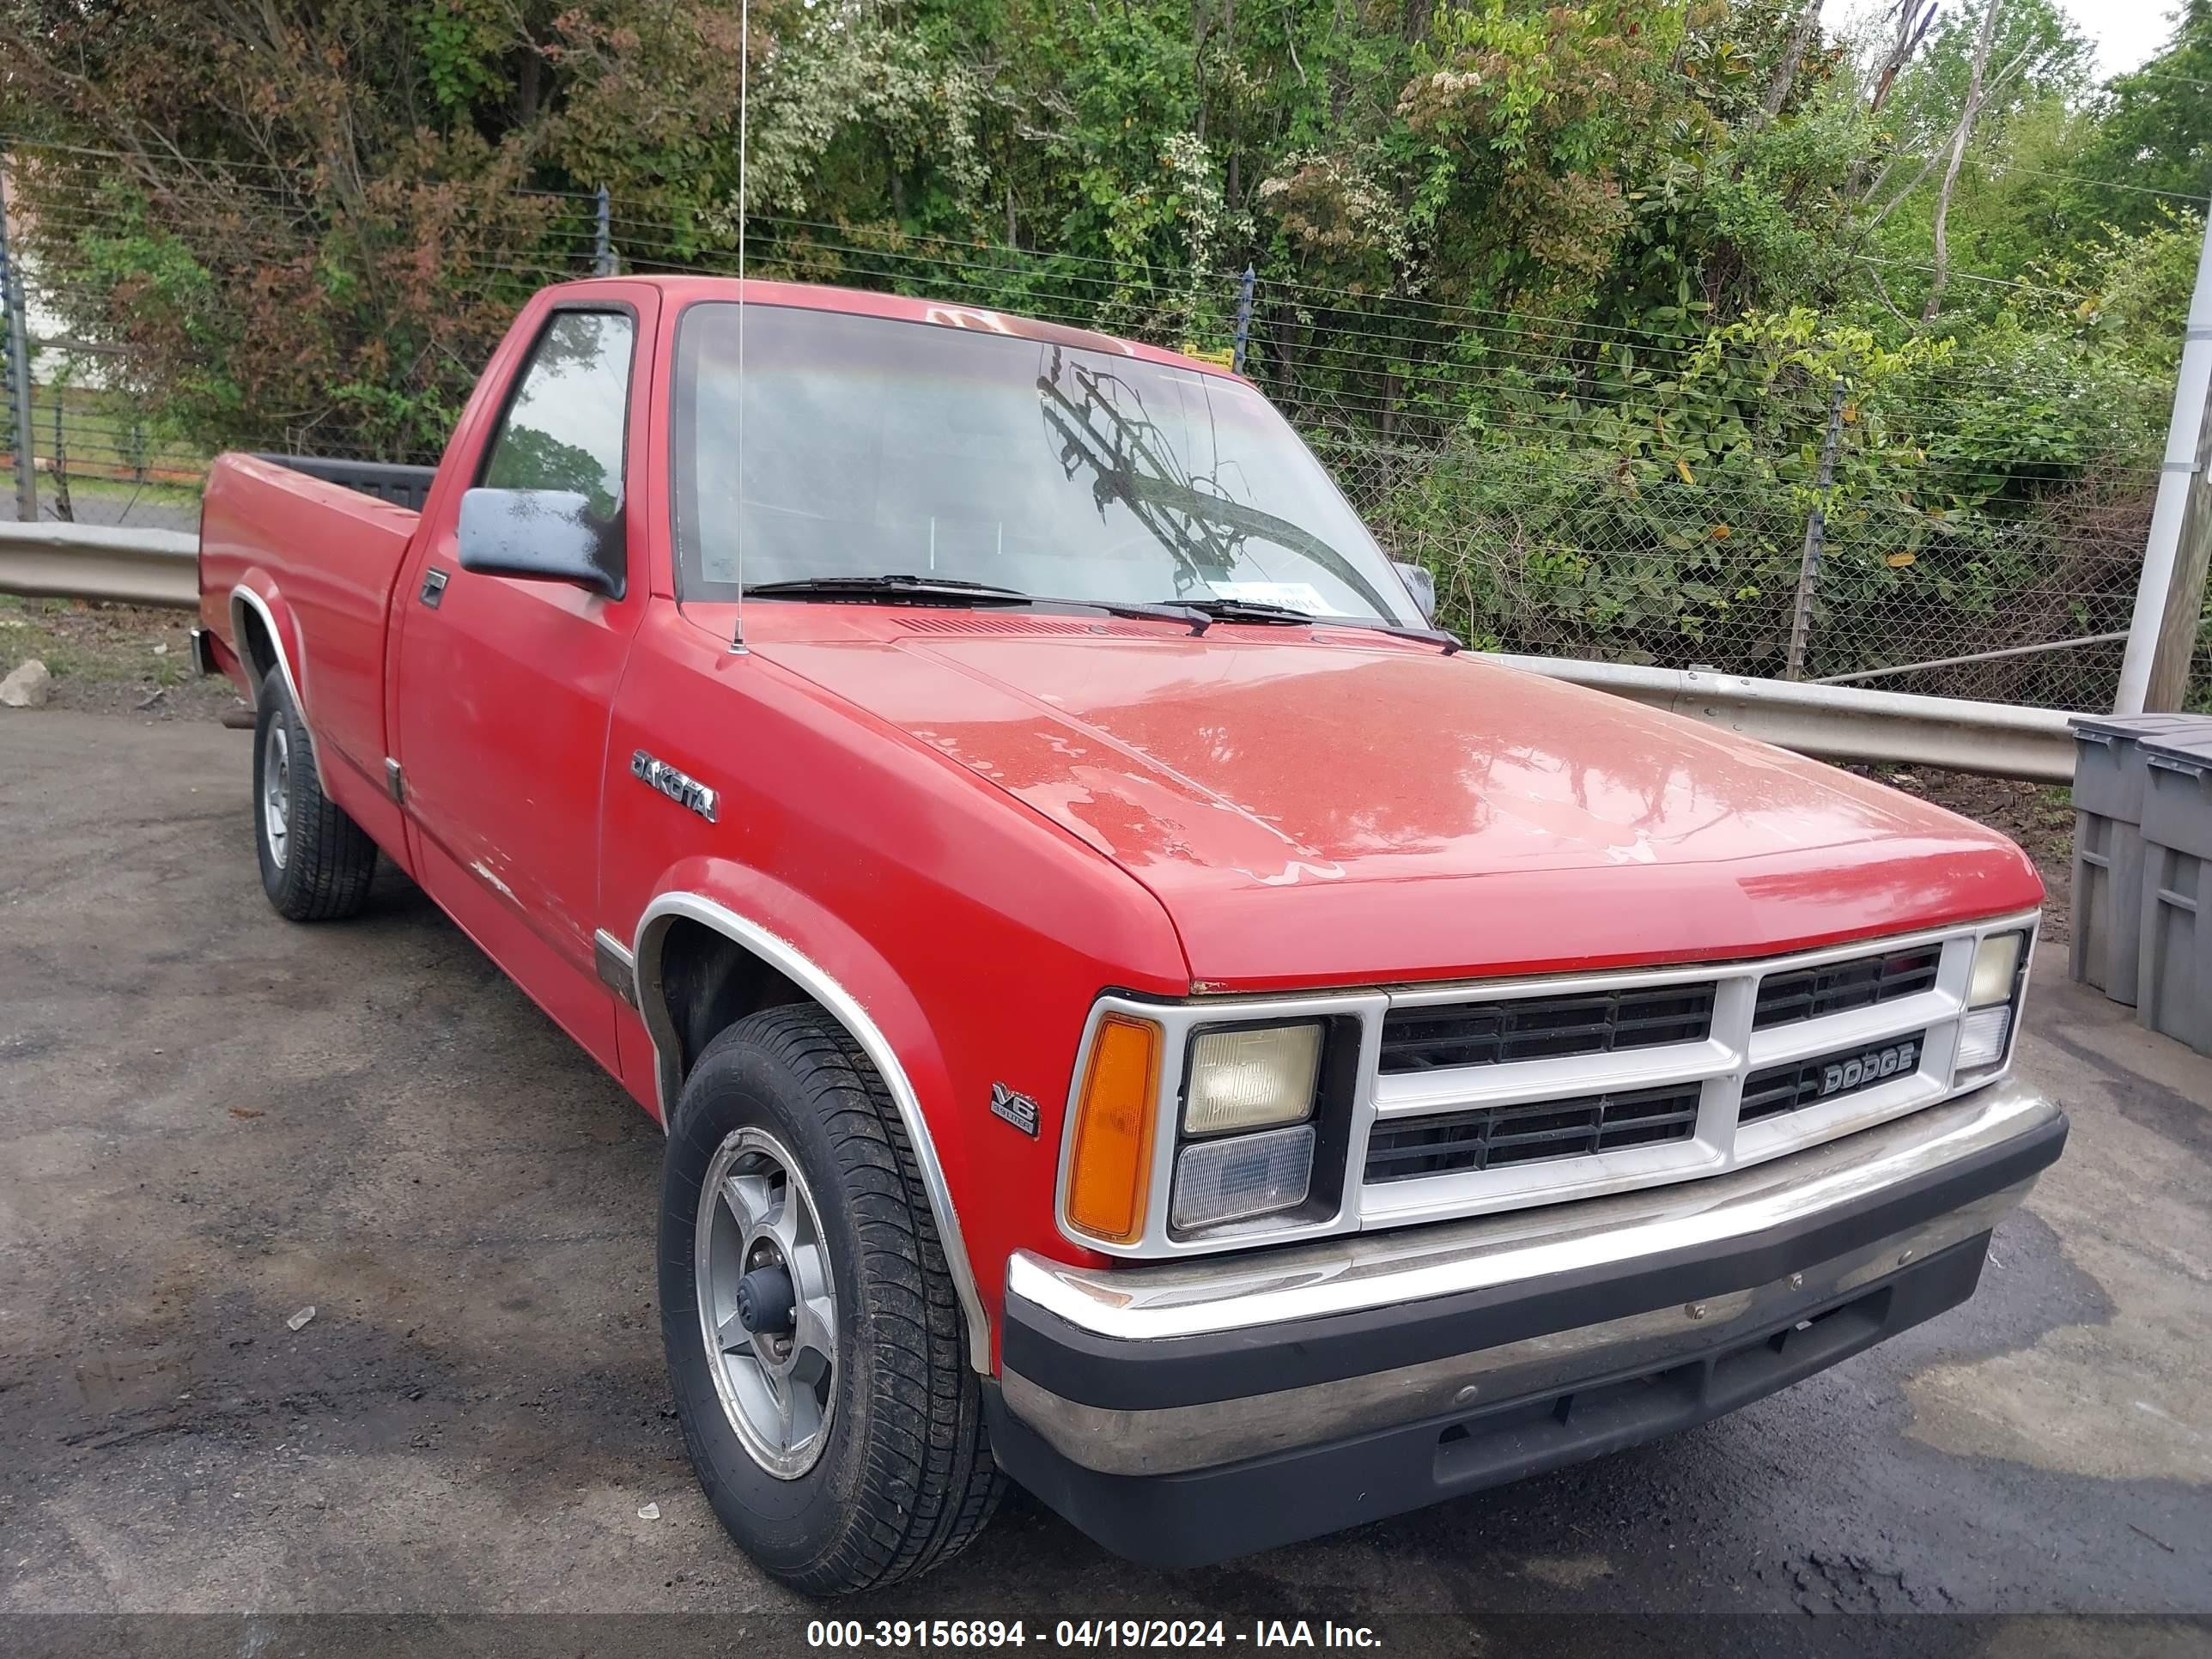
<point>1110,1159</point>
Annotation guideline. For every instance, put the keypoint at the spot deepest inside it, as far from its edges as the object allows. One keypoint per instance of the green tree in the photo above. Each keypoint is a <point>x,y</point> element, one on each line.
<point>1563,289</point>
<point>2153,130</point>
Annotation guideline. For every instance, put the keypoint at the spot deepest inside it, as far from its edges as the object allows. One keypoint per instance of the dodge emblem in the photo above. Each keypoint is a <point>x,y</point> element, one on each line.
<point>1869,1068</point>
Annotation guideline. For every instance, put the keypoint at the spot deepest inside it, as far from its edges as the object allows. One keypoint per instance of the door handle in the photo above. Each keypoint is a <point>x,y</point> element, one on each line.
<point>434,588</point>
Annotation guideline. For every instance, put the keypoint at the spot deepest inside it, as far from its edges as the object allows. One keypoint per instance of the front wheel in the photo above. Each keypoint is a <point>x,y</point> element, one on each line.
<point>316,862</point>
<point>814,1339</point>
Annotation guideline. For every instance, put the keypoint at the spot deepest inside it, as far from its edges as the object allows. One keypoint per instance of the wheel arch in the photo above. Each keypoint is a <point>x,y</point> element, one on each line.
<point>260,644</point>
<point>788,964</point>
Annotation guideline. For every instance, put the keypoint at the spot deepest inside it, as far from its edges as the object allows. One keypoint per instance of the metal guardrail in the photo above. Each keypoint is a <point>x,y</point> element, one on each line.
<point>1842,722</point>
<point>97,562</point>
<point>1832,722</point>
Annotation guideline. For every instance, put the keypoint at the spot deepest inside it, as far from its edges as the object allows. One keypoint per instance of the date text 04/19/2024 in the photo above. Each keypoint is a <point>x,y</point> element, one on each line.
<point>1087,1634</point>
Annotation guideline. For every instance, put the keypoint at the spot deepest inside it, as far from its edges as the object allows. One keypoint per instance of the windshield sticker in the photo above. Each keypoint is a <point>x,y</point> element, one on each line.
<point>1299,596</point>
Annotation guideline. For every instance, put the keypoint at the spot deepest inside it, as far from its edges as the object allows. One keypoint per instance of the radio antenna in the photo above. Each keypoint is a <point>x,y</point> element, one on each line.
<point>745,60</point>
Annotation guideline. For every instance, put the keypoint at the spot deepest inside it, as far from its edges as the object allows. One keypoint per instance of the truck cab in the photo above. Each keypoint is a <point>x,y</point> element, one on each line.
<point>1135,1008</point>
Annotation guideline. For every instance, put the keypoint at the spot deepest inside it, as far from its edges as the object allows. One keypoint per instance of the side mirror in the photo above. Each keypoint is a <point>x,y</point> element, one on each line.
<point>551,535</point>
<point>1418,583</point>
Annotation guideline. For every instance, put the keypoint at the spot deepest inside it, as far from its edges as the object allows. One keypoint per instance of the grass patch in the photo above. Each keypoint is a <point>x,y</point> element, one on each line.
<point>84,639</point>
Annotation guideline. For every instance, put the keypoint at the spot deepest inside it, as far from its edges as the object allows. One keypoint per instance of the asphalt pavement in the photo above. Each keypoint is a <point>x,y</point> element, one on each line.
<point>212,1121</point>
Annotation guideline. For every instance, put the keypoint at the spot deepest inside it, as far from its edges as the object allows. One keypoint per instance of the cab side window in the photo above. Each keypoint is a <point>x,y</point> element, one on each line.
<point>564,428</point>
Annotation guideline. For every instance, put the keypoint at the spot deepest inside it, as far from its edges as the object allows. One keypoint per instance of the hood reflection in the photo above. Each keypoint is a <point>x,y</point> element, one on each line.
<point>1279,764</point>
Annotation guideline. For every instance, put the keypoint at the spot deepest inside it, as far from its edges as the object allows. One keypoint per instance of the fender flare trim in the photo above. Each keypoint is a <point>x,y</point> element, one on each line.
<point>243,597</point>
<point>843,1007</point>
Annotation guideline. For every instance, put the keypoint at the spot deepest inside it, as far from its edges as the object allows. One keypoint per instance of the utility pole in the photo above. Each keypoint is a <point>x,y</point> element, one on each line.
<point>2170,599</point>
<point>602,238</point>
<point>15,362</point>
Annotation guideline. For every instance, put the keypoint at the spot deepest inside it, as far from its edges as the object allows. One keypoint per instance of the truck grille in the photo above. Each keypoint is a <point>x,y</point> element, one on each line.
<point>1838,987</point>
<point>1497,1135</point>
<point>1440,1101</point>
<point>1491,1097</point>
<point>1542,1028</point>
<point>1828,1077</point>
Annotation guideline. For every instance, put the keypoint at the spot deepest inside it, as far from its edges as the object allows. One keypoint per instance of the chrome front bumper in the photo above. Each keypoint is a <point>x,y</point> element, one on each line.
<point>1192,1366</point>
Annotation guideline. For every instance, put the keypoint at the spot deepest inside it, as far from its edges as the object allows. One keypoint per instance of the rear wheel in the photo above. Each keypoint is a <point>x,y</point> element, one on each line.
<point>316,862</point>
<point>814,1338</point>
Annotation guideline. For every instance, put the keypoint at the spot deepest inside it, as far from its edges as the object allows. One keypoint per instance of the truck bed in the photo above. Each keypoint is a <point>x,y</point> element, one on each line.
<point>318,545</point>
<point>387,481</point>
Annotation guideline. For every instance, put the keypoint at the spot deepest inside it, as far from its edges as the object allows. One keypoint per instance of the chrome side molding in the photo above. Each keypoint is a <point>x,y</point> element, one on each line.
<point>617,969</point>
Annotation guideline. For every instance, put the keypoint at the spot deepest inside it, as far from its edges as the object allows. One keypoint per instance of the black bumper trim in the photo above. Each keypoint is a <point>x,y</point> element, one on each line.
<point>1120,1375</point>
<point>1204,1515</point>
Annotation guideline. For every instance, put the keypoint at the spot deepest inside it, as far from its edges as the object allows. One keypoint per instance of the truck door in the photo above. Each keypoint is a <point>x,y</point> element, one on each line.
<point>505,683</point>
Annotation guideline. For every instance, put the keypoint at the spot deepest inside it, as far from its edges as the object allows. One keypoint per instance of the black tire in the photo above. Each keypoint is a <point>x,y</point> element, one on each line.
<point>325,862</point>
<point>905,1478</point>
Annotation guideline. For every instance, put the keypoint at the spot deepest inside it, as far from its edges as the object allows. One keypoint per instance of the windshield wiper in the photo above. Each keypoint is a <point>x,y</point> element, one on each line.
<point>1250,611</point>
<point>1171,611</point>
<point>1260,611</point>
<point>900,586</point>
<point>954,589</point>
<point>1198,615</point>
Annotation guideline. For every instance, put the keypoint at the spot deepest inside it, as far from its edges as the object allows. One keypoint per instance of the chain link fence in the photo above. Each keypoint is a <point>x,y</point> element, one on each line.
<point>1783,498</point>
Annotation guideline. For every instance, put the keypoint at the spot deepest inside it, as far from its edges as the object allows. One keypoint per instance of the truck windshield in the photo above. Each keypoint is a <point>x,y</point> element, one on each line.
<point>876,447</point>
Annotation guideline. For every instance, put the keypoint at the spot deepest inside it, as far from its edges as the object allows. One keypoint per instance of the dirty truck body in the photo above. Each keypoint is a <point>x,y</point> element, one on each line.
<point>1133,1011</point>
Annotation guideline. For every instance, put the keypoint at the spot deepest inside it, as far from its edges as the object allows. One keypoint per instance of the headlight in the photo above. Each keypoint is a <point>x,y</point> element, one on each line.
<point>1252,1078</point>
<point>1225,1180</point>
<point>1987,1028</point>
<point>1995,963</point>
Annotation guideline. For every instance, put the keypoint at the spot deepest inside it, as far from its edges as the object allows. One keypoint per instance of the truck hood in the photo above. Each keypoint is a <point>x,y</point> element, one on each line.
<point>1334,809</point>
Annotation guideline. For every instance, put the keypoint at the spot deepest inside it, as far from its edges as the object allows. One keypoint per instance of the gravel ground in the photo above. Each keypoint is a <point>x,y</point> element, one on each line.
<point>112,658</point>
<point>210,1121</point>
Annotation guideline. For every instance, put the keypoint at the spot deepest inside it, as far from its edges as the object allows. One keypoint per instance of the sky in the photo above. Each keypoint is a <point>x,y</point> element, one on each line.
<point>2126,31</point>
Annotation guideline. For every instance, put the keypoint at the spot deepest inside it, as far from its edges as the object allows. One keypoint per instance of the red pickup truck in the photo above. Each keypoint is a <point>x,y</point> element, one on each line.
<point>1134,1009</point>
